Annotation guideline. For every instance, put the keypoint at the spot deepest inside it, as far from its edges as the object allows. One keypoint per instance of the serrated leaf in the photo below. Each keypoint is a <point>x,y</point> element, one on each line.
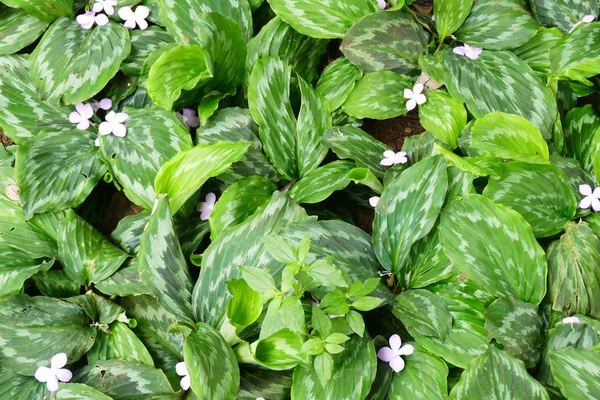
<point>284,312</point>
<point>143,42</point>
<point>536,52</point>
<point>444,117</point>
<point>577,372</point>
<point>18,29</point>
<point>563,14</point>
<point>119,343</point>
<point>450,15</point>
<point>322,182</point>
<point>337,81</point>
<point>281,350</point>
<point>423,311</point>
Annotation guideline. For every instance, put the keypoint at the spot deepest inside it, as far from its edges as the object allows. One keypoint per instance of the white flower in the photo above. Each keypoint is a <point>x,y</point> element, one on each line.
<point>55,373</point>
<point>82,116</point>
<point>382,4</point>
<point>114,123</point>
<point>87,20</point>
<point>586,19</point>
<point>135,17</point>
<point>373,201</point>
<point>591,198</point>
<point>571,320</point>
<point>13,192</point>
<point>181,370</point>
<point>390,158</point>
<point>433,17</point>
<point>468,51</point>
<point>105,104</point>
<point>392,354</point>
<point>97,142</point>
<point>414,96</point>
<point>260,398</point>
<point>105,5</point>
<point>206,207</point>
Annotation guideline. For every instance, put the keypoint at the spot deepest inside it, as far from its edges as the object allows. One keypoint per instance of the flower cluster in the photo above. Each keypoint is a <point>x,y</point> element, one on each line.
<point>84,112</point>
<point>131,18</point>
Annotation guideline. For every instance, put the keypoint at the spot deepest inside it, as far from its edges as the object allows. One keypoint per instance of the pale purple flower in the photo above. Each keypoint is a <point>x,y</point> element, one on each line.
<point>206,207</point>
<point>390,158</point>
<point>13,192</point>
<point>382,4</point>
<point>133,18</point>
<point>181,370</point>
<point>468,51</point>
<point>414,96</point>
<point>188,116</point>
<point>570,320</point>
<point>392,354</point>
<point>82,116</point>
<point>105,5</point>
<point>591,198</point>
<point>586,19</point>
<point>105,104</point>
<point>114,123</point>
<point>51,376</point>
<point>87,20</point>
<point>373,201</point>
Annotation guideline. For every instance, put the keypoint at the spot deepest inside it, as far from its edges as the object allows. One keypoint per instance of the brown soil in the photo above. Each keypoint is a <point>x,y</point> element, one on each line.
<point>393,131</point>
<point>118,208</point>
<point>4,139</point>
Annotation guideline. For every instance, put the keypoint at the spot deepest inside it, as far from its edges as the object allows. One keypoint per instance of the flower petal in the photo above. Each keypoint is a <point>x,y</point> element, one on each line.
<point>395,342</point>
<point>460,50</point>
<point>142,24</point>
<point>389,154</point>
<point>382,4</point>
<point>83,125</point>
<point>387,162</point>
<point>406,350</point>
<point>105,104</point>
<point>411,104</point>
<point>421,99</point>
<point>75,117</point>
<point>596,193</point>
<point>109,9</point>
<point>52,384</point>
<point>585,190</point>
<point>121,117</point>
<point>129,24</point>
<point>205,214</point>
<point>385,354</point>
<point>126,13</point>
<point>586,202</point>
<point>185,382</point>
<point>373,201</point>
<point>58,361</point>
<point>595,204</point>
<point>397,364</point>
<point>418,89</point>
<point>101,19</point>
<point>142,12</point>
<point>105,128</point>
<point>588,18</point>
<point>181,369</point>
<point>408,94</point>
<point>97,7</point>
<point>210,198</point>
<point>63,375</point>
<point>42,374</point>
<point>119,130</point>
<point>110,117</point>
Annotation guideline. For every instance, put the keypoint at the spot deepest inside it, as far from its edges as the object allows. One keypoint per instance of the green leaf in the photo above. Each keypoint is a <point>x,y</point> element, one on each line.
<point>580,127</point>
<point>211,364</point>
<point>293,147</point>
<point>573,280</point>
<point>444,117</point>
<point>494,246</point>
<point>245,305</point>
<point>76,391</point>
<point>143,42</point>
<point>322,182</point>
<point>496,373</point>
<point>577,65</point>
<point>539,192</point>
<point>324,273</point>
<point>16,268</point>
<point>14,386</point>
<point>427,263</point>
<point>284,312</point>
<point>324,367</point>
<point>391,41</point>
<point>509,136</point>
<point>43,9</point>
<point>97,307</point>
<point>259,280</point>
<point>367,303</point>
<point>450,15</point>
<point>517,326</point>
<point>55,283</point>
<point>18,29</point>
<point>356,322</point>
<point>498,25</point>
<point>163,268</point>
<point>257,381</point>
<point>135,159</point>
<point>321,321</point>
<point>281,350</point>
<point>66,160</point>
<point>322,19</point>
<point>577,372</point>
<point>536,52</point>
<point>378,95</point>
<point>125,282</point>
<point>281,249</point>
<point>119,343</point>
<point>73,64</point>
<point>423,311</point>
<point>33,328</point>
<point>563,14</point>
<point>85,254</point>
<point>500,82</point>
<point>407,211</point>
<point>337,81</point>
<point>184,174</point>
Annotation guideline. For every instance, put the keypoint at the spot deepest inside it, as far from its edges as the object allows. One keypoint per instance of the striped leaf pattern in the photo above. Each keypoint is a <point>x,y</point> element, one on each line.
<point>46,10</point>
<point>68,160</point>
<point>16,268</point>
<point>281,350</point>
<point>407,211</point>
<point>322,182</point>
<point>143,42</point>
<point>536,52</point>
<point>444,117</point>
<point>15,386</point>
<point>212,366</point>
<point>494,246</point>
<point>386,41</point>
<point>256,382</point>
<point>125,282</point>
<point>423,311</point>
<point>580,127</point>
<point>577,55</point>
<point>74,64</point>
<point>450,15</point>
<point>18,29</point>
<point>136,159</point>
<point>78,391</point>
<point>119,343</point>
<point>326,19</point>
<point>499,81</point>
<point>427,263</point>
<point>577,372</point>
<point>539,192</point>
<point>563,14</point>
<point>337,81</point>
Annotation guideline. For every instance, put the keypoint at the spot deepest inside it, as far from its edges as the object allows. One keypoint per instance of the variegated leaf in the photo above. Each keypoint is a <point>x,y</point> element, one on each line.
<point>348,142</point>
<point>128,231</point>
<point>281,350</point>
<point>98,308</point>
<point>577,55</point>
<point>85,254</point>
<point>55,283</point>
<point>444,117</point>
<point>322,182</point>
<point>221,260</point>
<point>211,364</point>
<point>497,375</point>
<point>46,10</point>
<point>322,18</point>
<point>386,41</point>
<point>539,192</point>
<point>56,160</point>
<point>163,268</point>
<point>577,372</point>
<point>16,268</point>
<point>580,126</point>
<point>15,386</point>
<point>494,246</point>
<point>119,343</point>
<point>536,52</point>
<point>499,81</point>
<point>563,14</point>
<point>498,25</point>
<point>143,42</point>
<point>420,147</point>
<point>424,312</point>
<point>34,329</point>
<point>125,282</point>
<point>73,64</point>
<point>78,391</point>
<point>337,81</point>
<point>257,381</point>
<point>573,279</point>
<point>184,174</point>
<point>427,263</point>
<point>407,211</point>
<point>517,326</point>
<point>450,15</point>
<point>18,29</point>
<point>575,174</point>
<point>153,138</point>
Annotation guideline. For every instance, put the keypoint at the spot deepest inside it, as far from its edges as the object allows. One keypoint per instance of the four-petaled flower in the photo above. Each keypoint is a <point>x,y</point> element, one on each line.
<point>392,354</point>
<point>188,116</point>
<point>105,5</point>
<point>373,201</point>
<point>591,198</point>
<point>133,18</point>
<point>206,207</point>
<point>414,96</point>
<point>571,320</point>
<point>87,20</point>
<point>82,116</point>
<point>390,158</point>
<point>114,123</point>
<point>586,19</point>
<point>382,4</point>
<point>468,51</point>
<point>51,376</point>
<point>181,370</point>
<point>105,104</point>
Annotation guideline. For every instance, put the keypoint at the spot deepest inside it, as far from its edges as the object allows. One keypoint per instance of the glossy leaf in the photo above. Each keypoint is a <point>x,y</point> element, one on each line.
<point>43,9</point>
<point>450,15</point>
<point>281,350</point>
<point>18,29</point>
<point>119,343</point>
<point>337,81</point>
<point>581,64</point>
<point>536,52</point>
<point>444,117</point>
<point>322,182</point>
<point>580,127</point>
<point>577,372</point>
<point>563,14</point>
<point>423,311</point>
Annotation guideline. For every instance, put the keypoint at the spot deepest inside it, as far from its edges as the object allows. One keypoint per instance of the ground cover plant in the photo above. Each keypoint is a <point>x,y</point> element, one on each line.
<point>195,203</point>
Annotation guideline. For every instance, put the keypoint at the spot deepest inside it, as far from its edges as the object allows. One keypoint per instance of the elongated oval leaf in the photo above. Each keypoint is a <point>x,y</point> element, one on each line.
<point>577,372</point>
<point>281,350</point>
<point>427,263</point>
<point>450,15</point>
<point>76,391</point>
<point>423,311</point>
<point>536,52</point>
<point>337,81</point>
<point>18,29</point>
<point>563,14</point>
<point>322,182</point>
<point>581,64</point>
<point>43,9</point>
<point>580,126</point>
<point>119,343</point>
<point>143,42</point>
<point>444,117</point>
